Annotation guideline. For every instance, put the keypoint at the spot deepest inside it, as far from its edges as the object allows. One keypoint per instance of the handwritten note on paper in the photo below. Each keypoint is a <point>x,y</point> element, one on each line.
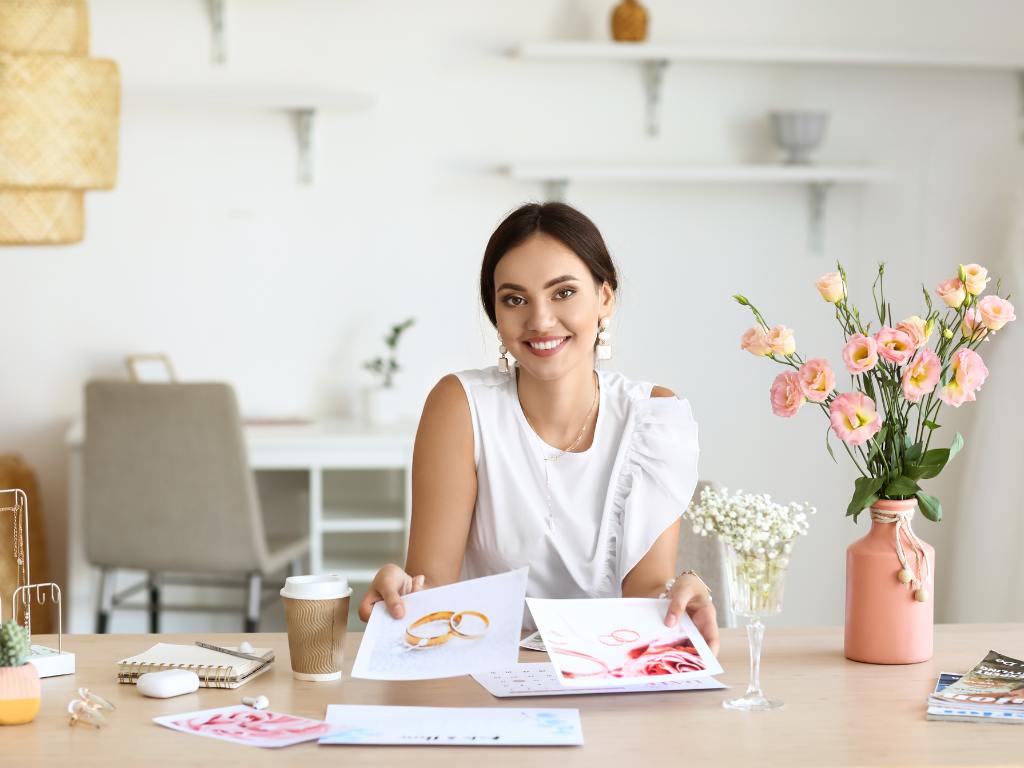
<point>479,726</point>
<point>453,630</point>
<point>612,643</point>
<point>541,679</point>
<point>244,725</point>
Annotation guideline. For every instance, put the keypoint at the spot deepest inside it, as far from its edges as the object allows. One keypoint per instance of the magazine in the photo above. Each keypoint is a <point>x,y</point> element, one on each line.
<point>991,692</point>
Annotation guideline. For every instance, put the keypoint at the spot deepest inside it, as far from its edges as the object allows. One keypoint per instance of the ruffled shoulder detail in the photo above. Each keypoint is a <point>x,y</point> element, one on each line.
<point>653,479</point>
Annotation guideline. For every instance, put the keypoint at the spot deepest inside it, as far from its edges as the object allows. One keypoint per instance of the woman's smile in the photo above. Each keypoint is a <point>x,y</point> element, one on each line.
<point>546,346</point>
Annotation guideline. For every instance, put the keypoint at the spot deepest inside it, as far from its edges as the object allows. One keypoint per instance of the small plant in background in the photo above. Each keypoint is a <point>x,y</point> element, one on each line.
<point>387,366</point>
<point>14,644</point>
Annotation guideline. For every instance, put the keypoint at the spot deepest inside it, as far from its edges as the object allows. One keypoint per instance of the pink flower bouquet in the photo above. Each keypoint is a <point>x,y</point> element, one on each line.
<point>898,384</point>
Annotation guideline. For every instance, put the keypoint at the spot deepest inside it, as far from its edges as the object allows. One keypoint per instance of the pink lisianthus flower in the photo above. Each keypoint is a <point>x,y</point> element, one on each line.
<point>831,287</point>
<point>860,353</point>
<point>995,312</point>
<point>972,326</point>
<point>952,292</point>
<point>968,373</point>
<point>782,341</point>
<point>921,375</point>
<point>755,341</point>
<point>894,345</point>
<point>786,395</point>
<point>916,329</point>
<point>816,380</point>
<point>975,278</point>
<point>853,417</point>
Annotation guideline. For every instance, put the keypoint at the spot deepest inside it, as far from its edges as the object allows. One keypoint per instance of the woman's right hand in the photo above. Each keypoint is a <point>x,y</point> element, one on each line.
<point>389,585</point>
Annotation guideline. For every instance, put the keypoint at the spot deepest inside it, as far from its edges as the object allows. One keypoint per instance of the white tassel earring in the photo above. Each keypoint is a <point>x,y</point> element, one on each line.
<point>604,336</point>
<point>503,366</point>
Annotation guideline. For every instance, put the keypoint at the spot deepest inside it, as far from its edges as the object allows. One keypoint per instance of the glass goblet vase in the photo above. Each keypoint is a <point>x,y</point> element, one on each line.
<point>755,589</point>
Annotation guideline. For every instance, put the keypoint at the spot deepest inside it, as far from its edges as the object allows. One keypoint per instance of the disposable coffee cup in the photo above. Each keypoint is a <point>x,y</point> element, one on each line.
<point>316,609</point>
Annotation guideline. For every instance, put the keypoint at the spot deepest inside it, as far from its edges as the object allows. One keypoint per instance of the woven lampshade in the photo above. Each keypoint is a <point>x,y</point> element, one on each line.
<point>44,218</point>
<point>44,26</point>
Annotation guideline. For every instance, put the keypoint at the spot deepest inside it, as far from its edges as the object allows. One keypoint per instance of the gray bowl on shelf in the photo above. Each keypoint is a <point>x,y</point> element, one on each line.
<point>798,133</point>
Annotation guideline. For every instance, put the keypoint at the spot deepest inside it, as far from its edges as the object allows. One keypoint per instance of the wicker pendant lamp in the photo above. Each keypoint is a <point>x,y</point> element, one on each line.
<point>59,112</point>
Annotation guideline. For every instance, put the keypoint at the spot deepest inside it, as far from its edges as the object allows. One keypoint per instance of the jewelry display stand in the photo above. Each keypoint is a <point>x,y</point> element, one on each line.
<point>48,662</point>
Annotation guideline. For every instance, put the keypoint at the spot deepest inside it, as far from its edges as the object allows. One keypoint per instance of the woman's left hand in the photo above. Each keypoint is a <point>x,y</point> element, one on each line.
<point>690,595</point>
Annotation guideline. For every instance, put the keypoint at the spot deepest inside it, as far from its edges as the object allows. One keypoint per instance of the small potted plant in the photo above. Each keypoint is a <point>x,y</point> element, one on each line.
<point>383,403</point>
<point>19,681</point>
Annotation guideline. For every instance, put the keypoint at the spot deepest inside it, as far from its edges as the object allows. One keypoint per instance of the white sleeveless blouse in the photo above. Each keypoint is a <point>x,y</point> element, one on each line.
<point>599,511</point>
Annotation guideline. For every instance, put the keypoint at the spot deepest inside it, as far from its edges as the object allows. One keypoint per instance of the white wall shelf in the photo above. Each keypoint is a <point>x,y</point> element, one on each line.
<point>304,103</point>
<point>818,179</point>
<point>655,58</point>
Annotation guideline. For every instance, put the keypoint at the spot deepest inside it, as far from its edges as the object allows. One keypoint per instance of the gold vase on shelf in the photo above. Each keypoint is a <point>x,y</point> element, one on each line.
<point>629,22</point>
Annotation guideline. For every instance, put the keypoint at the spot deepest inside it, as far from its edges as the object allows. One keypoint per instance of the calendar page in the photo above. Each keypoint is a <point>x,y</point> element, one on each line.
<point>540,679</point>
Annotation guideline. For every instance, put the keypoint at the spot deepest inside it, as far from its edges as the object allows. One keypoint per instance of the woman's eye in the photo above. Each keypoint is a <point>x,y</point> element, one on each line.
<point>565,293</point>
<point>514,301</point>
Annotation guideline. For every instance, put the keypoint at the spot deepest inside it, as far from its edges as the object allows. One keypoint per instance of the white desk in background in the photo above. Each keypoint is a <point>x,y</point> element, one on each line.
<point>353,481</point>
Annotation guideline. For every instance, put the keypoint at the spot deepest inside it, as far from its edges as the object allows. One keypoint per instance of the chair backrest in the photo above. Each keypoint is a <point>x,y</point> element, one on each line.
<point>167,481</point>
<point>705,555</point>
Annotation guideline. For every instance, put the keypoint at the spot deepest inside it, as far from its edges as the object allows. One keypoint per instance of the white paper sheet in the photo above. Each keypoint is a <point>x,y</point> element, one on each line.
<point>462,640</point>
<point>540,679</point>
<point>444,726</point>
<point>533,642</point>
<point>612,643</point>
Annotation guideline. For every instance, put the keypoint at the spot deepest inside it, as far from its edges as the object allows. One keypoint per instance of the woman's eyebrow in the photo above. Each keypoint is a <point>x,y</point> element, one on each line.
<point>548,284</point>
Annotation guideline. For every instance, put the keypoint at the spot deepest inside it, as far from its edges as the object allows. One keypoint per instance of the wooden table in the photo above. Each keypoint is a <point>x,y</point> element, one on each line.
<point>837,713</point>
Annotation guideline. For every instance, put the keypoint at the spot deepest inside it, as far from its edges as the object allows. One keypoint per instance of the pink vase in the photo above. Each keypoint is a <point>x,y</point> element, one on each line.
<point>885,624</point>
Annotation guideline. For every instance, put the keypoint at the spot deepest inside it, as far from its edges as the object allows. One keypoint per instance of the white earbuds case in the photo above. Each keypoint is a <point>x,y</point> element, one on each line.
<point>170,682</point>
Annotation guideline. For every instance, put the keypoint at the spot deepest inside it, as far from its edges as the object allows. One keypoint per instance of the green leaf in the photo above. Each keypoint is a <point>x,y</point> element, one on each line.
<point>932,425</point>
<point>901,486</point>
<point>930,506</point>
<point>913,453</point>
<point>930,465</point>
<point>865,493</point>
<point>954,449</point>
<point>829,445</point>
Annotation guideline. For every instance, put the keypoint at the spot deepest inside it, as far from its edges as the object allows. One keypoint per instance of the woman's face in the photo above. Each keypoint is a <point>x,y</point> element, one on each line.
<point>548,307</point>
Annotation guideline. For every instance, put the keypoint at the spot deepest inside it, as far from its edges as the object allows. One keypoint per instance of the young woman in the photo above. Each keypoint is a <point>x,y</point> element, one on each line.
<point>580,474</point>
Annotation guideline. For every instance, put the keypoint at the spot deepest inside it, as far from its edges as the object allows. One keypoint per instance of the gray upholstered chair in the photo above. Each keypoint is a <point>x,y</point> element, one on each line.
<point>705,555</point>
<point>169,491</point>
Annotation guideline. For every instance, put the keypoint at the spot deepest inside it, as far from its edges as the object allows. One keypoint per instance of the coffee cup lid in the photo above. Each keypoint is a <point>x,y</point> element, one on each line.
<point>325,587</point>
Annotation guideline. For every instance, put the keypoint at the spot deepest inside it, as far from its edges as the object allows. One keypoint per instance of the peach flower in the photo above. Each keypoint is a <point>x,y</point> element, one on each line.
<point>786,395</point>
<point>831,287</point>
<point>921,376</point>
<point>894,345</point>
<point>952,292</point>
<point>816,380</point>
<point>968,373</point>
<point>782,341</point>
<point>972,326</point>
<point>916,329</point>
<point>860,353</point>
<point>975,277</point>
<point>854,418</point>
<point>995,312</point>
<point>755,341</point>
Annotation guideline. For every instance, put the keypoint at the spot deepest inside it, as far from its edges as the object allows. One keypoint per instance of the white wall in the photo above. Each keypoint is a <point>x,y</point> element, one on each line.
<point>209,250</point>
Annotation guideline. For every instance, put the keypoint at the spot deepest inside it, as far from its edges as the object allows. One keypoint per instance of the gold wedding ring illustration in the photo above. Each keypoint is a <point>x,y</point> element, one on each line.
<point>453,620</point>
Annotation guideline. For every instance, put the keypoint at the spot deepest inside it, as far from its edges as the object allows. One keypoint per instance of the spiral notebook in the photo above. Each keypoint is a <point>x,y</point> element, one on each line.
<point>215,669</point>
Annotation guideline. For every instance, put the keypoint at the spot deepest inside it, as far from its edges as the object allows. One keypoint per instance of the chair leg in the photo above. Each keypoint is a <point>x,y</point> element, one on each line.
<point>154,602</point>
<point>252,611</point>
<point>105,600</point>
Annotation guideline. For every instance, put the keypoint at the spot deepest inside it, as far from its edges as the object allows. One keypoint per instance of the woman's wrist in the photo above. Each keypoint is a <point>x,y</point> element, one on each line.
<point>670,584</point>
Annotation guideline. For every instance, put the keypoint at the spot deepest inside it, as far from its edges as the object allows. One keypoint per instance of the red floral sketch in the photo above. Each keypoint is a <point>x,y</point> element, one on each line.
<point>254,724</point>
<point>644,660</point>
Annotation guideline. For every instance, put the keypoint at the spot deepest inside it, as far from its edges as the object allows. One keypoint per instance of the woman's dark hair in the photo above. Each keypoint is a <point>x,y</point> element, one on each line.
<point>557,220</point>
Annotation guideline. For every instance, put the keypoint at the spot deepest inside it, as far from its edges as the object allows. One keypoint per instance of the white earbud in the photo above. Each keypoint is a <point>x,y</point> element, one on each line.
<point>256,702</point>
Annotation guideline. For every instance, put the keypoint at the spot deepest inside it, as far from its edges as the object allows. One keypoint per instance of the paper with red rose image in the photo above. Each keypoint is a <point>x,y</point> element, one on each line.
<point>245,725</point>
<point>619,642</point>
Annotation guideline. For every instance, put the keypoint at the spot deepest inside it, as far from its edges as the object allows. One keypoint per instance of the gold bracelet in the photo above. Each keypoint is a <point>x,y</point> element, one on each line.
<point>688,572</point>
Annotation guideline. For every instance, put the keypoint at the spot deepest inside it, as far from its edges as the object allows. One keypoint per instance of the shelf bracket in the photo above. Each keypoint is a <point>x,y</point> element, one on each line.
<point>654,79</point>
<point>305,120</point>
<point>218,38</point>
<point>554,190</point>
<point>817,198</point>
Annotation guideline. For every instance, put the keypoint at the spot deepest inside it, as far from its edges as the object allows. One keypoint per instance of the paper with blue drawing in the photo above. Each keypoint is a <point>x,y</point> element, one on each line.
<point>446,726</point>
<point>458,629</point>
<point>615,642</point>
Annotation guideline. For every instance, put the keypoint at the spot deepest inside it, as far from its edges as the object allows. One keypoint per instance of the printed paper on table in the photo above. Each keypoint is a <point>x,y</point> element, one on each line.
<point>444,726</point>
<point>470,626</point>
<point>612,643</point>
<point>244,725</point>
<point>540,679</point>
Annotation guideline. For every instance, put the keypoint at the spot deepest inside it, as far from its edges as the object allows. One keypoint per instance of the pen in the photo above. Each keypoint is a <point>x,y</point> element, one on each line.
<point>230,652</point>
